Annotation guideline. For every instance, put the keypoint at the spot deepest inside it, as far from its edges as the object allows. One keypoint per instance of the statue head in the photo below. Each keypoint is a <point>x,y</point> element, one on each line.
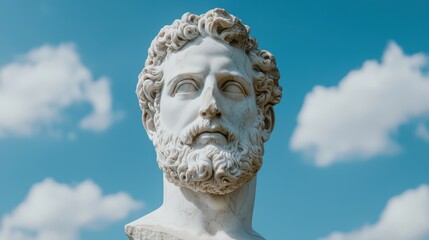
<point>207,95</point>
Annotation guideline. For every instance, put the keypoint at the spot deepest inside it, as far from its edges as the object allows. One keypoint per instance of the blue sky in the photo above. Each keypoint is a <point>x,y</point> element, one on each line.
<point>348,159</point>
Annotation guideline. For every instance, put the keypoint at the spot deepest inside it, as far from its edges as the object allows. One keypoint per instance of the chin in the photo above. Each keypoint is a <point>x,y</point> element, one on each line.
<point>211,167</point>
<point>215,169</point>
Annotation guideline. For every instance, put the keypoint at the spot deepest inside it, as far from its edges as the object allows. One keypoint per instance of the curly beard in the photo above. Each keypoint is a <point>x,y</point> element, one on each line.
<point>210,168</point>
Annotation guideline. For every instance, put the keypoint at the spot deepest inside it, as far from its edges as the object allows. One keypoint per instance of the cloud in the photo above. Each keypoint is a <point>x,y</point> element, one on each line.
<point>53,211</point>
<point>357,118</point>
<point>406,217</point>
<point>422,132</point>
<point>37,88</point>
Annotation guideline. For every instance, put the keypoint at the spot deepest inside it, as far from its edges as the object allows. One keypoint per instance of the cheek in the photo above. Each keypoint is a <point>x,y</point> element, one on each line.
<point>175,115</point>
<point>243,115</point>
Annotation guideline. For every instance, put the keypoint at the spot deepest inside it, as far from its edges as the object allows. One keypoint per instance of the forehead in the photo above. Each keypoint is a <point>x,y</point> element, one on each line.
<point>206,54</point>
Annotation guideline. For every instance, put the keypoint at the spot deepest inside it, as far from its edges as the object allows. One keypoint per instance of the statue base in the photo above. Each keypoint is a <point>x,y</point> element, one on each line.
<point>146,233</point>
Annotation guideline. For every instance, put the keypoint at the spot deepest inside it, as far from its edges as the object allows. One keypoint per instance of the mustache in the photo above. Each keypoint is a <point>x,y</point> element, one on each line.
<point>206,125</point>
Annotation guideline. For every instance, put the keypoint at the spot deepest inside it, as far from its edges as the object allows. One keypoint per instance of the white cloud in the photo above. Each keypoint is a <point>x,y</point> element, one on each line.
<point>406,217</point>
<point>422,132</point>
<point>37,88</point>
<point>357,118</point>
<point>53,211</point>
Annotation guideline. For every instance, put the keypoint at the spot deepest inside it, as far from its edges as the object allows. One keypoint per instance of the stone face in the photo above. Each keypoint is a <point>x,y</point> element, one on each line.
<point>207,95</point>
<point>216,127</point>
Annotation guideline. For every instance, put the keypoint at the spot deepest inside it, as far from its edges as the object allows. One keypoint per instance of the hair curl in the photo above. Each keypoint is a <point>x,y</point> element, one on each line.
<point>219,25</point>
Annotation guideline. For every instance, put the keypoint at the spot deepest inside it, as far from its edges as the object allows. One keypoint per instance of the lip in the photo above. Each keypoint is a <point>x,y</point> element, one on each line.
<point>211,136</point>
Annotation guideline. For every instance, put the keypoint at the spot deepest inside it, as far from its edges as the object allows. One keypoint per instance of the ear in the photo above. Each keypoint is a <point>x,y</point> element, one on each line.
<point>269,121</point>
<point>149,124</point>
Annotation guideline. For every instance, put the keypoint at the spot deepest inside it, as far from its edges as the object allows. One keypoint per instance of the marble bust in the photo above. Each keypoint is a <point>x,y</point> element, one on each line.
<point>207,95</point>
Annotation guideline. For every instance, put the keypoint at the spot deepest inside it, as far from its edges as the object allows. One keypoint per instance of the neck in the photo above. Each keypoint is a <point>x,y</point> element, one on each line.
<point>231,212</point>
<point>186,214</point>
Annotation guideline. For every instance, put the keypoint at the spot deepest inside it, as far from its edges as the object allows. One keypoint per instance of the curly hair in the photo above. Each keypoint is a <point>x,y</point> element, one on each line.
<point>219,25</point>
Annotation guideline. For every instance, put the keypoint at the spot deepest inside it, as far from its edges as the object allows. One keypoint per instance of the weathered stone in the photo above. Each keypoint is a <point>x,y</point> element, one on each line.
<point>207,94</point>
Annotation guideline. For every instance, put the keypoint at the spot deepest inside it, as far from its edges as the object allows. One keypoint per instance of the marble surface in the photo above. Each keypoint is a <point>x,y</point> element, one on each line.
<point>193,215</point>
<point>207,95</point>
<point>148,233</point>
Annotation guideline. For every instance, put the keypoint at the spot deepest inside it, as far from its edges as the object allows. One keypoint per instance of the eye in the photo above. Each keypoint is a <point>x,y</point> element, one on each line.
<point>233,87</point>
<point>186,86</point>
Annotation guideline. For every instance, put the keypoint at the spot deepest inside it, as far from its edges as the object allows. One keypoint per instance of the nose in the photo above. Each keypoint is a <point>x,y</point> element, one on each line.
<point>209,108</point>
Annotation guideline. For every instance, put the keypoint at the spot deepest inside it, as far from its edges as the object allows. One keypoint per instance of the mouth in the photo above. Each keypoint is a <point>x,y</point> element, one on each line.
<point>213,135</point>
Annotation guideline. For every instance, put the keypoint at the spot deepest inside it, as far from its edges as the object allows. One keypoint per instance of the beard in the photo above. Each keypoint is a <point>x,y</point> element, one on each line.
<point>210,168</point>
